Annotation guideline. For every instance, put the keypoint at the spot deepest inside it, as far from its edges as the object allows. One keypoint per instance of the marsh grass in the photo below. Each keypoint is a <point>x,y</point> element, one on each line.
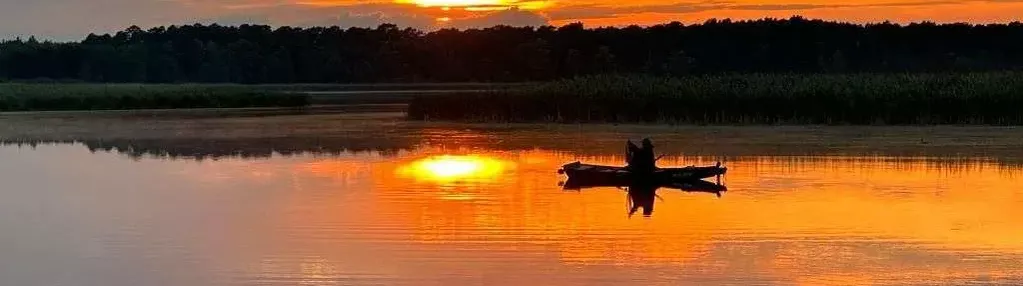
<point>858,99</point>
<point>39,97</point>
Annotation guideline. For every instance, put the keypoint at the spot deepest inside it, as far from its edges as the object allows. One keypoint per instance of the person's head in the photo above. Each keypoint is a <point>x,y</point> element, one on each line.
<point>647,143</point>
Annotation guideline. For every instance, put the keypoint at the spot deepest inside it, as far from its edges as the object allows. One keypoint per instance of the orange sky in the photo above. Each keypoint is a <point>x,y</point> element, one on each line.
<point>75,18</point>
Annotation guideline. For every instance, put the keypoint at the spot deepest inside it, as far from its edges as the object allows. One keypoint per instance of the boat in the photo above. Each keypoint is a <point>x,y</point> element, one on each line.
<point>690,186</point>
<point>621,175</point>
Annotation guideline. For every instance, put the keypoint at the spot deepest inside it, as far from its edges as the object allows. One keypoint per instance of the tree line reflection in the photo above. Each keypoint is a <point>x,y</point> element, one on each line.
<point>264,148</point>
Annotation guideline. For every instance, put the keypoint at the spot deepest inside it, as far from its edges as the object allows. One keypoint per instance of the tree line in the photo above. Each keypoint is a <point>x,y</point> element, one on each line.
<point>263,54</point>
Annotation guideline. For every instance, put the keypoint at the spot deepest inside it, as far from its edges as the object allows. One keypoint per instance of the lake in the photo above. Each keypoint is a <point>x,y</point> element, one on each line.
<point>369,199</point>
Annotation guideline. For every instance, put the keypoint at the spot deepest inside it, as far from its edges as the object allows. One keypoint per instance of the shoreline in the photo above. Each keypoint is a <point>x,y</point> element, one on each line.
<point>981,98</point>
<point>398,111</point>
<point>27,97</point>
<point>363,108</point>
<point>333,122</point>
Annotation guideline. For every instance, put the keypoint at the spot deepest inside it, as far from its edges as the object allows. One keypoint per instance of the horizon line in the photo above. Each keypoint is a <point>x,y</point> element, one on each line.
<point>24,37</point>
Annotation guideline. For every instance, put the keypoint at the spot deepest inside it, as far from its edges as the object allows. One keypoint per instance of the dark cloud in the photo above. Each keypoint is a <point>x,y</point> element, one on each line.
<point>370,15</point>
<point>362,15</point>
<point>597,11</point>
<point>510,17</point>
<point>370,20</point>
<point>782,7</point>
<point>237,19</point>
<point>583,12</point>
<point>373,15</point>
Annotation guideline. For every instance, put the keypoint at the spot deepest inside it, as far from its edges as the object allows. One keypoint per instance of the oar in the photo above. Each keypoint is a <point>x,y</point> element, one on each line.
<point>719,175</point>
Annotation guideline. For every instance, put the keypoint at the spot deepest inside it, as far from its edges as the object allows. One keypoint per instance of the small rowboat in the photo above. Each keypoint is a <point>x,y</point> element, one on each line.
<point>692,186</point>
<point>613,175</point>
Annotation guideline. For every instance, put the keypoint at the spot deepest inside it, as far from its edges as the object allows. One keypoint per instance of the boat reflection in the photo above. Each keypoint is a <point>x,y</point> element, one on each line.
<point>642,193</point>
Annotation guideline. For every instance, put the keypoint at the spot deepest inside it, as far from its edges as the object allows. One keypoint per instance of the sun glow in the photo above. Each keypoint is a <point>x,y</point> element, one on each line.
<point>453,168</point>
<point>455,3</point>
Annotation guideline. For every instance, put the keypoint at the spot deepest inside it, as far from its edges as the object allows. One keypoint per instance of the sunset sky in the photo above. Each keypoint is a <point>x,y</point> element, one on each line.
<point>72,19</point>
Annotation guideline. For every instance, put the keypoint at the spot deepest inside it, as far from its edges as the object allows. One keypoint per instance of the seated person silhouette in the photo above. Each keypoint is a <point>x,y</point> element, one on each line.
<point>641,159</point>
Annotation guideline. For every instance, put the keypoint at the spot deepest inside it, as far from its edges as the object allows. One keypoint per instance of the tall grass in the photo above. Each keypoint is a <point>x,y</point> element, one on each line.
<point>861,99</point>
<point>36,97</point>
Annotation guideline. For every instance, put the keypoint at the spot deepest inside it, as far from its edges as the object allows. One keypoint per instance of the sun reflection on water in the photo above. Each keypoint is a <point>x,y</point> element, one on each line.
<point>451,168</point>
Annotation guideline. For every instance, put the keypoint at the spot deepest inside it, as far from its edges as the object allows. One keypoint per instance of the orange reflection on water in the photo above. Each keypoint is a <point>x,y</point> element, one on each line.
<point>909,207</point>
<point>808,220</point>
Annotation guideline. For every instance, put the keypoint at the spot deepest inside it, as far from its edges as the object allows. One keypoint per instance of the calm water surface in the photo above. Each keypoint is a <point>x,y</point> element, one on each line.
<point>445,214</point>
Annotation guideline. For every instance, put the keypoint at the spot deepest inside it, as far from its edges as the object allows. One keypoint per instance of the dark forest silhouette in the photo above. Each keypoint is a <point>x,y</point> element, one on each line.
<point>261,54</point>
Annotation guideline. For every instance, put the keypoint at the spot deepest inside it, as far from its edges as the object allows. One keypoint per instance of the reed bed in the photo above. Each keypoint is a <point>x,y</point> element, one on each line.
<point>856,99</point>
<point>40,97</point>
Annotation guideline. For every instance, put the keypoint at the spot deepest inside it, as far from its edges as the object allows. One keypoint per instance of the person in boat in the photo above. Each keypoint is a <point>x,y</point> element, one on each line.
<point>641,159</point>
